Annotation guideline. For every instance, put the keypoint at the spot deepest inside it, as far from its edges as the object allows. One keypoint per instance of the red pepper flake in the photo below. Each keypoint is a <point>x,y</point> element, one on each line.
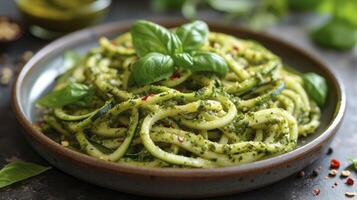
<point>147,96</point>
<point>180,138</point>
<point>334,164</point>
<point>236,48</point>
<point>316,192</point>
<point>349,181</point>
<point>114,43</point>
<point>175,75</point>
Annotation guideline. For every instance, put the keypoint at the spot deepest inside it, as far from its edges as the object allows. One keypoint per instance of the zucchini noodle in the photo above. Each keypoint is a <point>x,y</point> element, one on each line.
<point>258,110</point>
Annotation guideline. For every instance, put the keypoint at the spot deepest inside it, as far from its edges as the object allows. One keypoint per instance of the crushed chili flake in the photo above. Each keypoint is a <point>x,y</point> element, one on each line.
<point>334,164</point>
<point>180,138</point>
<point>316,192</point>
<point>147,96</point>
<point>114,42</point>
<point>175,75</point>
<point>349,181</point>
<point>236,48</point>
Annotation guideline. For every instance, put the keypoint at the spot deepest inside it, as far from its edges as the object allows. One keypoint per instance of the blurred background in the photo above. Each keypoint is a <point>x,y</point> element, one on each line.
<point>331,23</point>
<point>325,28</point>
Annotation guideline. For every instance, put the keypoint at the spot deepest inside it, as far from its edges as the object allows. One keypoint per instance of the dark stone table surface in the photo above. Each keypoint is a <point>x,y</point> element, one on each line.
<point>56,185</point>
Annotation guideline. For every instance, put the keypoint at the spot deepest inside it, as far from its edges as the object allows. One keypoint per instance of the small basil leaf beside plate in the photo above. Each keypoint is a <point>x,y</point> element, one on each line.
<point>18,171</point>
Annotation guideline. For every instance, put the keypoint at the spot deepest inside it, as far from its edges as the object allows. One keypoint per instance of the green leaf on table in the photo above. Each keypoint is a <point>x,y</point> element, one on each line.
<point>150,37</point>
<point>338,34</point>
<point>346,10</point>
<point>71,93</point>
<point>193,35</point>
<point>18,170</point>
<point>152,68</point>
<point>354,163</point>
<point>341,10</point>
<point>208,62</point>
<point>316,87</point>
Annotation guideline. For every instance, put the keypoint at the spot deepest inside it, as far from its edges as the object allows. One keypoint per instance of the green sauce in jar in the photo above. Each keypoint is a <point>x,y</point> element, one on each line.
<point>53,18</point>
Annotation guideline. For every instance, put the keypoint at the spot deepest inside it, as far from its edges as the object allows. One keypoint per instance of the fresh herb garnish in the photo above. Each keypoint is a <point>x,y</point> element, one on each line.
<point>336,33</point>
<point>18,170</point>
<point>316,87</point>
<point>72,93</point>
<point>162,51</point>
<point>203,61</point>
<point>354,163</point>
<point>193,35</point>
<point>149,37</point>
<point>152,68</point>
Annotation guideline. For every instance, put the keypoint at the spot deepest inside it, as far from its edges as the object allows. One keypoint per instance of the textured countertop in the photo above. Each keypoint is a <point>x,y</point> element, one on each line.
<point>55,184</point>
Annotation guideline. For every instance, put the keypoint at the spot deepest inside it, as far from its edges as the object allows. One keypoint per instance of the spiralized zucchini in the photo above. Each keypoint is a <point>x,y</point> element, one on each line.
<point>258,110</point>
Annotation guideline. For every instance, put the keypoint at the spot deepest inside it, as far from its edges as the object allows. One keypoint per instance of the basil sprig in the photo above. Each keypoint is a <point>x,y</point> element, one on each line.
<point>316,87</point>
<point>161,51</point>
<point>18,170</point>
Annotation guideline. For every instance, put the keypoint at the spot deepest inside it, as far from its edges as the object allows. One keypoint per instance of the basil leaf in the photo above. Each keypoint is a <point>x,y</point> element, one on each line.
<point>18,171</point>
<point>150,37</point>
<point>316,87</point>
<point>193,35</point>
<point>152,68</point>
<point>208,62</point>
<point>184,60</point>
<point>72,93</point>
<point>338,34</point>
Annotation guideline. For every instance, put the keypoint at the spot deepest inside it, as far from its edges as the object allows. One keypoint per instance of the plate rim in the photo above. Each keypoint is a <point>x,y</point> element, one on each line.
<point>205,173</point>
